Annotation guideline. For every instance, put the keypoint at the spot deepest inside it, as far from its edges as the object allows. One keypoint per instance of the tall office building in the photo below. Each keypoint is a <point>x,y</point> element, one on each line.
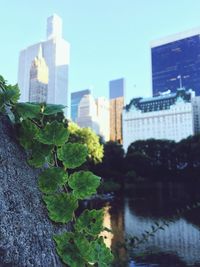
<point>75,100</point>
<point>176,62</point>
<point>87,113</point>
<point>116,93</point>
<point>170,116</point>
<point>55,51</point>
<point>39,74</point>
<point>103,115</point>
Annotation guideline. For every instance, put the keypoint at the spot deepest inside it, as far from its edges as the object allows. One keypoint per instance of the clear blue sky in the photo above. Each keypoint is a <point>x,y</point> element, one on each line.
<point>109,38</point>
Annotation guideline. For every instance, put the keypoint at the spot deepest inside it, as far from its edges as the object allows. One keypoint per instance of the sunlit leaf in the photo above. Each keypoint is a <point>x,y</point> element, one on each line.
<point>61,206</point>
<point>84,184</point>
<point>54,133</point>
<point>90,221</point>
<point>50,179</point>
<point>72,155</point>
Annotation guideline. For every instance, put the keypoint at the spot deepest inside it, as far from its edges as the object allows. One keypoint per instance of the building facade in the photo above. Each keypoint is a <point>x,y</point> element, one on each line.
<point>196,114</point>
<point>103,115</point>
<point>116,94</point>
<point>168,116</point>
<point>38,87</point>
<point>94,114</point>
<point>75,100</point>
<point>87,113</point>
<point>55,51</point>
<point>175,62</point>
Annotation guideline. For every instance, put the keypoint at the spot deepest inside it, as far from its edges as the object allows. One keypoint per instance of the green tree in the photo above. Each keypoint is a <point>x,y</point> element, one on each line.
<point>112,165</point>
<point>88,137</point>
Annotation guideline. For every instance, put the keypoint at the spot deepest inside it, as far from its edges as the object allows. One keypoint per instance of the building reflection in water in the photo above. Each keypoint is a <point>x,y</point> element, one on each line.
<point>180,238</point>
<point>178,245</point>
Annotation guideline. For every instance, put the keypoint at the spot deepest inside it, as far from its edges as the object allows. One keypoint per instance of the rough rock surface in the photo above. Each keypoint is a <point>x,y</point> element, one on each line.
<point>25,230</point>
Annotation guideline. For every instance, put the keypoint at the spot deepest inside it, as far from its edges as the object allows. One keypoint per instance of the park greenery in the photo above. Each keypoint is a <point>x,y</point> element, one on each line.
<point>60,151</point>
<point>72,160</point>
<point>151,160</point>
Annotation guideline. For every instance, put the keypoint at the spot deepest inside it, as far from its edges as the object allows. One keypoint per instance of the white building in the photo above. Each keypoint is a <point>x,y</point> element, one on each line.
<point>55,51</point>
<point>95,114</point>
<point>87,113</point>
<point>168,116</point>
<point>103,114</point>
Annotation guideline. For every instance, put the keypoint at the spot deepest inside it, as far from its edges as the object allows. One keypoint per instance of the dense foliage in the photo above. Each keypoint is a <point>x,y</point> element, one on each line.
<point>151,159</point>
<point>155,157</point>
<point>44,133</point>
<point>87,136</point>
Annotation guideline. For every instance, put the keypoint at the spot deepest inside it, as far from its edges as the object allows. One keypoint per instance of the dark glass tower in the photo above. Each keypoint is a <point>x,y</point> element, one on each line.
<point>176,62</point>
<point>75,100</point>
<point>116,88</point>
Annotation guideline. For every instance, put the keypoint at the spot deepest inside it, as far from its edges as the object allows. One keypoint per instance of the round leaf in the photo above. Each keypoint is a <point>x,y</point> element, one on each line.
<point>51,179</point>
<point>40,154</point>
<point>84,184</point>
<point>61,207</point>
<point>54,133</point>
<point>100,253</point>
<point>72,155</point>
<point>70,253</point>
<point>91,222</point>
<point>28,132</point>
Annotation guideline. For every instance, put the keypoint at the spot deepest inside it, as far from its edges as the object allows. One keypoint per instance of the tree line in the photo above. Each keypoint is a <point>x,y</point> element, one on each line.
<point>151,159</point>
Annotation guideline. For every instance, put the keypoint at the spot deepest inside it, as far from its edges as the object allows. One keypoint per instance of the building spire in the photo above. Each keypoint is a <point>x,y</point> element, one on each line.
<point>54,27</point>
<point>40,52</point>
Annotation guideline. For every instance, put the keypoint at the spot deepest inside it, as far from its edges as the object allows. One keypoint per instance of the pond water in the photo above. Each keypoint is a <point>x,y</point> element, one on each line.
<point>138,208</point>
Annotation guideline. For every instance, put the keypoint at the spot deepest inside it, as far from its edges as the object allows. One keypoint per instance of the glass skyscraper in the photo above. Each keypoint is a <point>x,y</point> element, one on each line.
<point>75,100</point>
<point>116,88</point>
<point>176,62</point>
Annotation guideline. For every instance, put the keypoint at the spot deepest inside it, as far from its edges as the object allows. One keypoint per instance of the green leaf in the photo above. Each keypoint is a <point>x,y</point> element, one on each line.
<point>28,110</point>
<point>91,222</point>
<point>50,109</point>
<point>84,184</point>
<point>8,93</point>
<point>100,253</point>
<point>61,206</point>
<point>54,133</point>
<point>40,154</point>
<point>51,179</point>
<point>70,253</point>
<point>28,130</point>
<point>72,155</point>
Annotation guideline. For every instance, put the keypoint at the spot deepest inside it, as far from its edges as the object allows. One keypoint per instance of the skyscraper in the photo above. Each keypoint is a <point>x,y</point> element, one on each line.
<point>75,100</point>
<point>87,113</point>
<point>103,115</point>
<point>116,88</point>
<point>55,51</point>
<point>176,62</point>
<point>39,74</point>
<point>116,92</point>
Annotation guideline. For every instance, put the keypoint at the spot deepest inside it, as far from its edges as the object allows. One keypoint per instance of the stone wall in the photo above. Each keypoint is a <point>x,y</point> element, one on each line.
<point>25,230</point>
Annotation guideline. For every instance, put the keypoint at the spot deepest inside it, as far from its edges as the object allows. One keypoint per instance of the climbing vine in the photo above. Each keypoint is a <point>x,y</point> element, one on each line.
<point>43,133</point>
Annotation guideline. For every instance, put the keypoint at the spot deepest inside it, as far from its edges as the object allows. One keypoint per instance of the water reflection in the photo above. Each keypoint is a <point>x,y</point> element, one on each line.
<point>139,208</point>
